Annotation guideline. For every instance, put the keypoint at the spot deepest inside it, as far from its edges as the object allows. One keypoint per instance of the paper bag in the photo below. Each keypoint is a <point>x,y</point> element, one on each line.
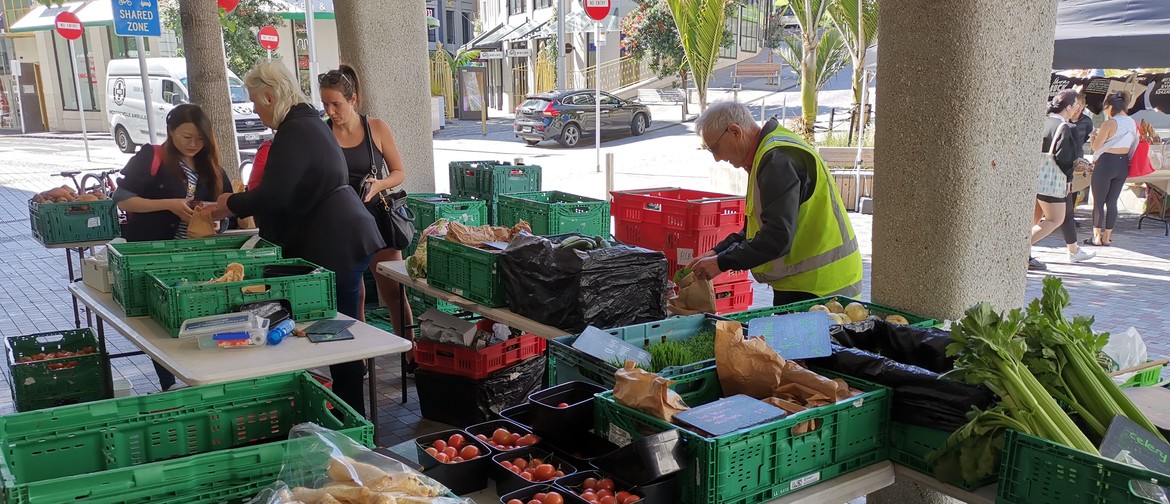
<point>242,222</point>
<point>201,224</point>
<point>478,235</point>
<point>694,296</point>
<point>646,392</point>
<point>745,366</point>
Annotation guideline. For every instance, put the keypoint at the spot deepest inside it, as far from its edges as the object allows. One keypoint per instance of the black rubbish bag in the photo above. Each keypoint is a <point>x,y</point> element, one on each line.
<point>462,401</point>
<point>920,397</point>
<point>918,346</point>
<point>572,289</point>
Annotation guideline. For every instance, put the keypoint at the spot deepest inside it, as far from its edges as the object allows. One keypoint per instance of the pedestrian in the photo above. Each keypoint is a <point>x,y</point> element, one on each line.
<point>1059,141</point>
<point>304,202</point>
<point>365,142</point>
<point>1082,126</point>
<point>797,236</point>
<point>161,184</point>
<point>1112,144</point>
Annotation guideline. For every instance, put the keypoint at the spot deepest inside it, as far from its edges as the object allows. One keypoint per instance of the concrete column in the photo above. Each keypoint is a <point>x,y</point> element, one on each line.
<point>962,98</point>
<point>387,45</point>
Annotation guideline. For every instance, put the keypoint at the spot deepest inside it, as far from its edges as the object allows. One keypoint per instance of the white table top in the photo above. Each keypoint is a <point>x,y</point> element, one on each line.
<point>1159,179</point>
<point>200,367</point>
<point>396,270</point>
<point>77,245</point>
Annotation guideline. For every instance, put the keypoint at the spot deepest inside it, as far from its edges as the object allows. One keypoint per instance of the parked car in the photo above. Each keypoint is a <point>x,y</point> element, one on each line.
<point>567,116</point>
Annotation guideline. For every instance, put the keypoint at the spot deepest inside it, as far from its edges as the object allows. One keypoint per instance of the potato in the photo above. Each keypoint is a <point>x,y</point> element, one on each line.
<point>840,318</point>
<point>856,312</point>
<point>819,308</point>
<point>87,197</point>
<point>897,319</point>
<point>834,307</point>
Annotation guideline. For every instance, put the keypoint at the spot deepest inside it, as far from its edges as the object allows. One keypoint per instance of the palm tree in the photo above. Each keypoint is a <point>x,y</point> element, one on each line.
<point>701,26</point>
<point>857,21</point>
<point>803,55</point>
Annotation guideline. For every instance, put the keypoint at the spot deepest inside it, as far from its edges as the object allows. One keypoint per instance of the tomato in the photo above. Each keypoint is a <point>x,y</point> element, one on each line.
<point>553,498</point>
<point>534,501</point>
<point>456,440</point>
<point>605,484</point>
<point>563,405</point>
<point>432,451</point>
<point>441,457</point>
<point>500,436</point>
<point>521,463</point>
<point>482,437</point>
<point>631,499</point>
<point>512,439</point>
<point>506,464</point>
<point>603,493</point>
<point>589,496</point>
<point>527,475</point>
<point>527,440</point>
<point>514,469</point>
<point>533,462</point>
<point>621,496</point>
<point>515,501</point>
<point>457,460</point>
<point>469,452</point>
<point>544,472</point>
<point>539,496</point>
<point>439,444</point>
<point>450,452</point>
<point>560,473</point>
<point>590,483</point>
<point>608,499</point>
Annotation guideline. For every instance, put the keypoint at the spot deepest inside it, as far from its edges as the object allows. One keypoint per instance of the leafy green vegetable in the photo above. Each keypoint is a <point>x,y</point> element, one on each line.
<point>681,274</point>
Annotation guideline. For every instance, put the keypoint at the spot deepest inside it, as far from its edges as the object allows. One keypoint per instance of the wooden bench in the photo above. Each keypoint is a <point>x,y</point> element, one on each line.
<point>771,71</point>
<point>845,156</point>
<point>671,96</point>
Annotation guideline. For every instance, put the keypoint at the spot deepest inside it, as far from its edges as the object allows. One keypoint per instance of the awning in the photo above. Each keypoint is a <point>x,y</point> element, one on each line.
<point>40,18</point>
<point>491,38</point>
<point>521,32</point>
<point>295,9</point>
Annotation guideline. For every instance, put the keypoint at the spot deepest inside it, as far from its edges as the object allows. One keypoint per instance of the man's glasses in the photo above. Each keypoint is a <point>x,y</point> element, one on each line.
<point>716,144</point>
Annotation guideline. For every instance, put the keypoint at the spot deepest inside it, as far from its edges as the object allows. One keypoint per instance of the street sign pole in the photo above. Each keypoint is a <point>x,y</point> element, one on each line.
<point>80,106</point>
<point>597,98</point>
<point>16,71</point>
<point>140,20</point>
<point>314,91</point>
<point>151,128</point>
<point>562,69</point>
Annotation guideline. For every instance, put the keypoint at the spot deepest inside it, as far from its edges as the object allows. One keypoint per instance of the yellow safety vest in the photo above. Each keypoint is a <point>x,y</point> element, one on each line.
<point>824,258</point>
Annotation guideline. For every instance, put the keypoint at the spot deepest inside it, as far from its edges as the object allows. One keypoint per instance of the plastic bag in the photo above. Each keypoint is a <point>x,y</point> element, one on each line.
<point>416,264</point>
<point>324,461</point>
<point>1127,349</point>
<point>922,347</point>
<point>572,289</point>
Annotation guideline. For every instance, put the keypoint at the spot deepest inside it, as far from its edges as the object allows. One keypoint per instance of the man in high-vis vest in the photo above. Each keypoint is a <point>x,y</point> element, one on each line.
<point>797,236</point>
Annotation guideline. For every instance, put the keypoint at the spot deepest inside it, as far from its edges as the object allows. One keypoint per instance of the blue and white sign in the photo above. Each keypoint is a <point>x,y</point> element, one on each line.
<point>136,18</point>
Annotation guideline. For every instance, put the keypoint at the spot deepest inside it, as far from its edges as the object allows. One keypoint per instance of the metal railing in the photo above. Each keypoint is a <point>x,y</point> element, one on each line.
<point>613,75</point>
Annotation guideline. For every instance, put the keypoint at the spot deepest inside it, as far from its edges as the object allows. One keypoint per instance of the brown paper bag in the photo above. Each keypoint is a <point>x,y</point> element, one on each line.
<point>745,366</point>
<point>694,296</point>
<point>201,225</point>
<point>647,392</point>
<point>242,222</point>
<point>478,235</point>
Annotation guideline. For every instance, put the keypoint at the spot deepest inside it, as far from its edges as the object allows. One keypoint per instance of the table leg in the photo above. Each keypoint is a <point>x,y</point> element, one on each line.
<point>69,263</point>
<point>77,315</point>
<point>108,371</point>
<point>402,324</point>
<point>373,384</point>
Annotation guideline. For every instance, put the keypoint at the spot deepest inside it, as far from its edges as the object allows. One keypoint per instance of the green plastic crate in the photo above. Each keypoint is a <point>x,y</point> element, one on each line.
<point>211,443</point>
<point>1145,378</point>
<point>38,385</point>
<point>177,295</point>
<point>555,212</point>
<point>487,179</point>
<point>1037,471</point>
<point>766,461</point>
<point>130,262</point>
<point>429,208</point>
<point>57,223</point>
<point>910,444</point>
<point>420,303</point>
<point>569,364</point>
<point>465,271</point>
<point>745,317</point>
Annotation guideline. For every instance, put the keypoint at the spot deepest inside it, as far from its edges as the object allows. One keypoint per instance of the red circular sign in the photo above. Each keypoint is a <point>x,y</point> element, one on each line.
<point>268,37</point>
<point>597,9</point>
<point>228,5</point>
<point>68,25</point>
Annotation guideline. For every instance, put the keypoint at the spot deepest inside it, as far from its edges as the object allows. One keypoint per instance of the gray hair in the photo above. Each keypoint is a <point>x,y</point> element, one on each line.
<point>722,114</point>
<point>286,90</point>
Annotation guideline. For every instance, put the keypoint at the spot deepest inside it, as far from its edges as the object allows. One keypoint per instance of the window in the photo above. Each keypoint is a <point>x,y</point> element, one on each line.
<point>544,3</point>
<point>731,51</point>
<point>125,47</point>
<point>517,6</point>
<point>172,93</point>
<point>609,100</point>
<point>749,28</point>
<point>582,99</point>
<point>449,27</point>
<point>466,29</point>
<point>65,75</point>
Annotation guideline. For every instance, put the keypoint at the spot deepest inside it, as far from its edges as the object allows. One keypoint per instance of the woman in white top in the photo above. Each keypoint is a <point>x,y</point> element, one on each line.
<point>1112,144</point>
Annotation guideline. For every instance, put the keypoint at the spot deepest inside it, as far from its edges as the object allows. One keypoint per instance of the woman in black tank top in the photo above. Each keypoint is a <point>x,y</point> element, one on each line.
<point>339,95</point>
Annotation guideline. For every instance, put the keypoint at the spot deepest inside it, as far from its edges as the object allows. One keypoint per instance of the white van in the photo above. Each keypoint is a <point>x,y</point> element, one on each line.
<point>126,107</point>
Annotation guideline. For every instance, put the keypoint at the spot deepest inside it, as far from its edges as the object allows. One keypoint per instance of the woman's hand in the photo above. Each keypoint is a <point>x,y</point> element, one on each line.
<point>180,207</point>
<point>376,186</point>
<point>221,210</point>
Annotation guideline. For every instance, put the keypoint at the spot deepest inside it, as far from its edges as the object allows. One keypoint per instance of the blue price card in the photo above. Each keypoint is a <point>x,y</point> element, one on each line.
<point>795,336</point>
<point>729,414</point>
<point>608,348</point>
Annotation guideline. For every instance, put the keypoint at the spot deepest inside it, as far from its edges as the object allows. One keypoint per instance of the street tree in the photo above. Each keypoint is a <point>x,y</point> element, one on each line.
<point>207,75</point>
<point>701,25</point>
<point>239,29</point>
<point>651,34</point>
<point>857,20</point>
<point>816,53</point>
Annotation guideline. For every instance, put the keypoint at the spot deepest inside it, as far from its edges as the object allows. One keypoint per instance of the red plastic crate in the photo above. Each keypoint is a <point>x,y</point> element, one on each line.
<point>476,364</point>
<point>681,209</point>
<point>733,297</point>
<point>679,246</point>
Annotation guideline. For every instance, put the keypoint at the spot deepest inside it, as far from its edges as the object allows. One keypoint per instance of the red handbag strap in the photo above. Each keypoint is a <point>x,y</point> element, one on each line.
<point>156,162</point>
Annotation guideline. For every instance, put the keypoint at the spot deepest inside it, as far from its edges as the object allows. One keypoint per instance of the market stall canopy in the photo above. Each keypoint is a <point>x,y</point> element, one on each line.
<point>1112,34</point>
<point>92,13</point>
<point>492,38</point>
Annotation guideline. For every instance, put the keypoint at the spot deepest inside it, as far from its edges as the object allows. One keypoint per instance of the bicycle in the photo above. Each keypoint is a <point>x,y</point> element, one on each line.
<point>100,181</point>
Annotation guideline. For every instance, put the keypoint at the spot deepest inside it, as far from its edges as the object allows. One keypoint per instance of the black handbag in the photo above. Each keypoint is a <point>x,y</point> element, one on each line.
<point>394,219</point>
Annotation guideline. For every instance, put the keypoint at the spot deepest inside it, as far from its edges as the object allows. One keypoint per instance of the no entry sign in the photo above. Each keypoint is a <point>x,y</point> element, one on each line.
<point>68,25</point>
<point>597,9</point>
<point>269,38</point>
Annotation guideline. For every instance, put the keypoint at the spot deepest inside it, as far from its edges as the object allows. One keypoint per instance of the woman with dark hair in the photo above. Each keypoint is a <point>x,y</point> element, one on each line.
<point>1082,126</point>
<point>365,141</point>
<point>1113,143</point>
<point>161,184</point>
<point>1058,136</point>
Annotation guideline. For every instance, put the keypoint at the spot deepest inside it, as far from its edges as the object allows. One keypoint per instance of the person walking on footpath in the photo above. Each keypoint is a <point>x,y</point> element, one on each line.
<point>1058,141</point>
<point>367,141</point>
<point>797,237</point>
<point>1113,144</point>
<point>161,183</point>
<point>1078,126</point>
<point>304,202</point>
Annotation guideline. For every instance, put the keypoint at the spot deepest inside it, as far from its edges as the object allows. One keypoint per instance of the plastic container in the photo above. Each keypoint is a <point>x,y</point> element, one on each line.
<point>465,271</point>
<point>733,297</point>
<point>581,449</point>
<point>573,484</point>
<point>576,418</point>
<point>429,208</point>
<point>526,494</point>
<point>487,179</point>
<point>227,322</point>
<point>764,461</point>
<point>554,212</point>
<point>910,444</point>
<point>234,339</point>
<point>681,209</point>
<point>88,221</point>
<point>508,482</point>
<point>520,413</point>
<point>646,460</point>
<point>461,477</point>
<point>1145,378</point>
<point>45,383</point>
<point>803,306</point>
<point>281,331</point>
<point>476,364</point>
<point>679,245</point>
<point>490,426</point>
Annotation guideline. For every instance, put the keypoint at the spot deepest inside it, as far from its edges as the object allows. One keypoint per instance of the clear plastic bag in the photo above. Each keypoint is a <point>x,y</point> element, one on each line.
<point>1127,350</point>
<point>328,467</point>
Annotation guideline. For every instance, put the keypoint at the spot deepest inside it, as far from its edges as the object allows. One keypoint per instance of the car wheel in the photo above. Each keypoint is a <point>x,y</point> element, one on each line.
<point>570,135</point>
<point>122,138</point>
<point>531,142</point>
<point>639,125</point>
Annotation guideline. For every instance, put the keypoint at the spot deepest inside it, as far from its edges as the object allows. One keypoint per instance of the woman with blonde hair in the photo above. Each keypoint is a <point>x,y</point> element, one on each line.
<point>305,203</point>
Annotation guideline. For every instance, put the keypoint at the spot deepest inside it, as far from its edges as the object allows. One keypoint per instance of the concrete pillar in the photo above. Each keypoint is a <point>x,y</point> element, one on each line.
<point>962,97</point>
<point>387,44</point>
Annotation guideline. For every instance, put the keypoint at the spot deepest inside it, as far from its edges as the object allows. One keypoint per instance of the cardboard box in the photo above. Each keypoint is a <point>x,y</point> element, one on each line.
<point>96,274</point>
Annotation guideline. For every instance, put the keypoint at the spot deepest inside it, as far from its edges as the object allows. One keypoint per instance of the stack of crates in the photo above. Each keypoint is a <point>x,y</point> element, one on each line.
<point>683,224</point>
<point>76,222</point>
<point>485,180</point>
<point>55,369</point>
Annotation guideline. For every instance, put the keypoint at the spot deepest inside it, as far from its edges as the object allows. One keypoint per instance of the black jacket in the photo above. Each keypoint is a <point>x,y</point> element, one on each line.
<point>787,178</point>
<point>1066,149</point>
<point>304,202</point>
<point>136,180</point>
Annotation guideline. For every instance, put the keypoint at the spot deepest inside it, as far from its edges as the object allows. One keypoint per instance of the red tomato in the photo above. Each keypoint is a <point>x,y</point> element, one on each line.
<point>442,457</point>
<point>563,405</point>
<point>534,501</point>
<point>589,496</point>
<point>533,462</point>
<point>521,463</point>
<point>506,464</point>
<point>512,439</point>
<point>603,493</point>
<point>527,440</point>
<point>544,472</point>
<point>469,452</point>
<point>515,501</point>
<point>457,460</point>
<point>560,473</point>
<point>451,452</point>
<point>630,499</point>
<point>621,496</point>
<point>553,498</point>
<point>514,469</point>
<point>539,496</point>
<point>605,484</point>
<point>590,483</point>
<point>608,499</point>
<point>456,440</point>
<point>439,444</point>
<point>527,475</point>
<point>432,451</point>
<point>483,438</point>
<point>500,436</point>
